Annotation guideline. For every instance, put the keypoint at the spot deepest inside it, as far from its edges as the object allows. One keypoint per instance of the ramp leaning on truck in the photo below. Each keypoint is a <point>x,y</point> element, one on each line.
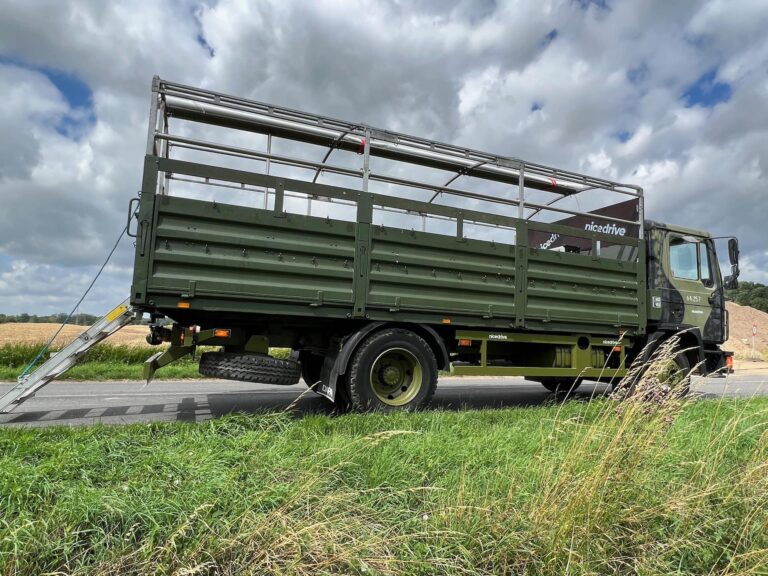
<point>381,258</point>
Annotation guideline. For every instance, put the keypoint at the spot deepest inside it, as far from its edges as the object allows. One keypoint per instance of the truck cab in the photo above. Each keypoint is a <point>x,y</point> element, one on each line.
<point>686,290</point>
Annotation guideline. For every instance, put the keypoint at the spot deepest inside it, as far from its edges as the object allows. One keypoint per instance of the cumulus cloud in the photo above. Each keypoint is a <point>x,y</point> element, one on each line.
<point>668,95</point>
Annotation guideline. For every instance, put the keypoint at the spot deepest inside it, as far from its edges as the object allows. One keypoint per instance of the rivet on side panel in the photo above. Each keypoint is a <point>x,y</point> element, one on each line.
<point>244,253</point>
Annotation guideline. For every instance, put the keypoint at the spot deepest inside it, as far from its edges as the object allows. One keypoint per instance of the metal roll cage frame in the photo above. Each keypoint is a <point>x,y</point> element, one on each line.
<point>172,100</point>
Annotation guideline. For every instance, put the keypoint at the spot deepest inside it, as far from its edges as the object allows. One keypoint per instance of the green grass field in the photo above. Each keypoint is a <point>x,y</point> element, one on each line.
<point>654,486</point>
<point>105,362</point>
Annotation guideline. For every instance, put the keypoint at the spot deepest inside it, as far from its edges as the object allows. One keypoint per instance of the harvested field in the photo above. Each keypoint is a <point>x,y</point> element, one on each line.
<point>740,342</point>
<point>21,333</point>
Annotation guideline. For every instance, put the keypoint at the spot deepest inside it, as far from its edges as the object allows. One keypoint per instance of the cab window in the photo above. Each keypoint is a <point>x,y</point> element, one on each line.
<point>690,261</point>
<point>683,260</point>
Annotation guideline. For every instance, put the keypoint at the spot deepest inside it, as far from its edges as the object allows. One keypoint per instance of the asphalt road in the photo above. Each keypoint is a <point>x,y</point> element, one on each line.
<point>122,402</point>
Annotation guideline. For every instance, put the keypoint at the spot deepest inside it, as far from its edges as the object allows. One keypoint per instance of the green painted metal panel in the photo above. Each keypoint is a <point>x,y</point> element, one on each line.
<point>574,287</point>
<point>412,271</point>
<point>232,250</point>
<point>537,372</point>
<point>269,262</point>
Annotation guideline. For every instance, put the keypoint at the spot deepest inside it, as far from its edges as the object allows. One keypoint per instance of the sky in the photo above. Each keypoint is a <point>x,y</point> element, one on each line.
<point>671,96</point>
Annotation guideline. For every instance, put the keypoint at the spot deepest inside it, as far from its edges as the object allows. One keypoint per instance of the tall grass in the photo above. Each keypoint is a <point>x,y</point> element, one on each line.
<point>653,483</point>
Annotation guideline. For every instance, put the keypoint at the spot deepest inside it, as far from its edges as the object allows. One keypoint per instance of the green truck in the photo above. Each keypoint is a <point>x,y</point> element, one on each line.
<point>380,259</point>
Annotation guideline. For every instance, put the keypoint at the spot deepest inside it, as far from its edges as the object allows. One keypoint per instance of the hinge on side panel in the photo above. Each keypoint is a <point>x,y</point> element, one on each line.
<point>190,293</point>
<point>319,301</point>
<point>396,307</point>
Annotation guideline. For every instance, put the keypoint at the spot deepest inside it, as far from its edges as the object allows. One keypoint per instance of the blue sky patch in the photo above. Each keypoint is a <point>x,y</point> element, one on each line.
<point>623,136</point>
<point>77,93</point>
<point>204,43</point>
<point>707,91</point>
<point>637,74</point>
<point>584,4</point>
<point>550,37</point>
<point>536,106</point>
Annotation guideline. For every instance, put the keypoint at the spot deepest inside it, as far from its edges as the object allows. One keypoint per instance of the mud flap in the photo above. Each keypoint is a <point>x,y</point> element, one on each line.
<point>330,373</point>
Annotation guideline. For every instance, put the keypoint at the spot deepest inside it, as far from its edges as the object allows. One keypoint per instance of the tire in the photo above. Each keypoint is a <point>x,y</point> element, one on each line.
<point>561,386</point>
<point>392,370</point>
<point>680,375</point>
<point>311,367</point>
<point>249,368</point>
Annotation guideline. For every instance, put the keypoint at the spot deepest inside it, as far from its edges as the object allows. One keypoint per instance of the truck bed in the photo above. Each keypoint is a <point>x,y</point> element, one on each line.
<point>196,257</point>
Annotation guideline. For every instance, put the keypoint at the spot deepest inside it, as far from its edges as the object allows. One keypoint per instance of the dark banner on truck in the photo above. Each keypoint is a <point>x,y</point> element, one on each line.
<point>600,220</point>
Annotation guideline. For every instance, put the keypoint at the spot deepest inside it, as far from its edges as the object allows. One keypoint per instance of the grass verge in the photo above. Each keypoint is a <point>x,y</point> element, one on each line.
<point>105,362</point>
<point>650,486</point>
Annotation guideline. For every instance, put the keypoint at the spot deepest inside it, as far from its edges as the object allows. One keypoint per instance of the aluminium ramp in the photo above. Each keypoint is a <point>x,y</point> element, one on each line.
<point>67,357</point>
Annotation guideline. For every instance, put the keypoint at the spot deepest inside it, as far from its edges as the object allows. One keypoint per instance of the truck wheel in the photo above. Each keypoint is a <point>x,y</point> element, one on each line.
<point>311,367</point>
<point>249,368</point>
<point>676,373</point>
<point>565,385</point>
<point>393,369</point>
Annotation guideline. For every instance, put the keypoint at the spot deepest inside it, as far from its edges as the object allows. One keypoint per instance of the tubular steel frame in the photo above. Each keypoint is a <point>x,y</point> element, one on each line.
<point>172,100</point>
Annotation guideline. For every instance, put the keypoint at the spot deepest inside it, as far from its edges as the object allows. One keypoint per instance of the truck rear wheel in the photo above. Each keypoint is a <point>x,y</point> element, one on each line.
<point>249,368</point>
<point>394,369</point>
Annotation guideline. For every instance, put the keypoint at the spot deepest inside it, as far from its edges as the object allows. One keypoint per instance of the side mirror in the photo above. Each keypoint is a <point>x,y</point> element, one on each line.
<point>733,251</point>
<point>732,282</point>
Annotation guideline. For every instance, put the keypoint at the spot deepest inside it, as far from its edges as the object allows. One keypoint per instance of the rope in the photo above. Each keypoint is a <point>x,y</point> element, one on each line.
<point>45,348</point>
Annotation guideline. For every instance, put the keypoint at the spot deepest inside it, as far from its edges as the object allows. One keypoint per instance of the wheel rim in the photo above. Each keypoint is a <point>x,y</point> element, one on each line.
<point>396,377</point>
<point>672,374</point>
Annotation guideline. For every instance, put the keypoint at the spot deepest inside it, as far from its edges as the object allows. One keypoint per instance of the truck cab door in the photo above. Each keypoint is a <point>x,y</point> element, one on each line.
<point>695,296</point>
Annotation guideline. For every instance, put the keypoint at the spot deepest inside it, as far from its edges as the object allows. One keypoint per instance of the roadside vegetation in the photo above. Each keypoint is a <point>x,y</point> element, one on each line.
<point>751,294</point>
<point>105,361</point>
<point>651,484</point>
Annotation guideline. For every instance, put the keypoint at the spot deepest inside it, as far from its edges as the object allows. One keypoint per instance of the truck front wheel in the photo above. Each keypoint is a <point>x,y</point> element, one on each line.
<point>394,369</point>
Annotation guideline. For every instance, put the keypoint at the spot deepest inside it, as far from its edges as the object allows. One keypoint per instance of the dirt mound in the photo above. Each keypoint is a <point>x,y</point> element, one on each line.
<point>14,332</point>
<point>740,321</point>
